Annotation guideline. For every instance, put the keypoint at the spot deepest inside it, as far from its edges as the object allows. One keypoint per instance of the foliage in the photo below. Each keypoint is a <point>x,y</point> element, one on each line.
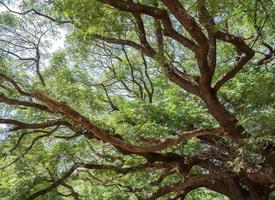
<point>123,83</point>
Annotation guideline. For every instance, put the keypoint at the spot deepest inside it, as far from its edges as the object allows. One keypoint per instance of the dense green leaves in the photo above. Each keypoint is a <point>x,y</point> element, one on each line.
<point>127,95</point>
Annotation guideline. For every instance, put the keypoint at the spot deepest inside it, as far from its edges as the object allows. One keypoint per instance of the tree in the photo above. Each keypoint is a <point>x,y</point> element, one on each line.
<point>149,99</point>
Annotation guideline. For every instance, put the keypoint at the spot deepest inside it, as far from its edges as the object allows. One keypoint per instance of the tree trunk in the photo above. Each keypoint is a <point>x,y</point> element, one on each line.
<point>234,191</point>
<point>258,193</point>
<point>226,119</point>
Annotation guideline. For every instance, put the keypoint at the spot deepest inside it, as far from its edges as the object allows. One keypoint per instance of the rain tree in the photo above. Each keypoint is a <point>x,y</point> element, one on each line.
<point>148,99</point>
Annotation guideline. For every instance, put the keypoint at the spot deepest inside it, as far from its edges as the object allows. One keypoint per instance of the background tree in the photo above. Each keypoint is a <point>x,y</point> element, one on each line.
<point>150,99</point>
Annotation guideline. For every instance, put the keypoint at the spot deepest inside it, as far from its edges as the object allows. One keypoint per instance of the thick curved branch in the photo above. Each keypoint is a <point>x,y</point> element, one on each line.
<point>137,9</point>
<point>186,20</point>
<point>189,23</point>
<point>156,13</point>
<point>208,22</point>
<point>100,134</point>
<point>193,181</point>
<point>142,34</point>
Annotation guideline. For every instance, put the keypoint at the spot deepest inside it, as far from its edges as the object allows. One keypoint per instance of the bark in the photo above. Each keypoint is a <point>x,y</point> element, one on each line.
<point>226,119</point>
<point>257,193</point>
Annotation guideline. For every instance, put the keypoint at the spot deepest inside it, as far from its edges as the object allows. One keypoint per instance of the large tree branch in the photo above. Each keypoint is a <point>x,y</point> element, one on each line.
<point>179,78</point>
<point>208,22</point>
<point>189,23</point>
<point>186,20</point>
<point>100,134</point>
<point>138,8</point>
<point>192,181</point>
<point>142,34</point>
